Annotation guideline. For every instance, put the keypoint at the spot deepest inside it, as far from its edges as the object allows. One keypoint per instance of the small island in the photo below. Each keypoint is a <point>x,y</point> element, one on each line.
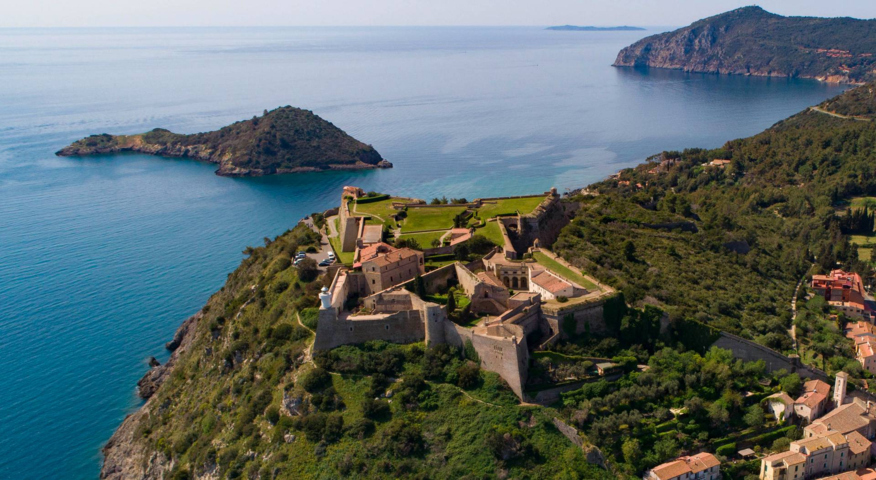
<point>575,28</point>
<point>283,140</point>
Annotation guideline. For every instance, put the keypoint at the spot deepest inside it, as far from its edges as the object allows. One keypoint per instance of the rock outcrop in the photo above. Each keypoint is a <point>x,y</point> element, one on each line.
<point>751,41</point>
<point>125,454</point>
<point>284,140</point>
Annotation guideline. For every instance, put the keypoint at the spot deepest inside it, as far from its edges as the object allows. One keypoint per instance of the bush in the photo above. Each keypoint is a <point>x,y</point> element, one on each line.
<point>562,299</point>
<point>308,270</point>
<point>727,450</point>
<point>315,380</point>
<point>468,375</point>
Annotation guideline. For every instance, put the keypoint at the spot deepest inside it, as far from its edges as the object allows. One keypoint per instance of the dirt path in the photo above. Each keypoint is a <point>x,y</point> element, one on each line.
<point>308,352</point>
<point>837,115</point>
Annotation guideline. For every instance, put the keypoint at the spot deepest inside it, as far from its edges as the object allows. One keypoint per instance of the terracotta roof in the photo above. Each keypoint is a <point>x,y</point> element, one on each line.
<point>395,257</point>
<point>866,474</point>
<point>702,461</point>
<point>858,443</point>
<point>860,328</point>
<point>549,282</point>
<point>789,458</point>
<point>846,418</point>
<point>817,386</point>
<point>671,469</point>
<point>811,399</point>
<point>373,250</point>
<point>866,348</point>
<point>490,278</point>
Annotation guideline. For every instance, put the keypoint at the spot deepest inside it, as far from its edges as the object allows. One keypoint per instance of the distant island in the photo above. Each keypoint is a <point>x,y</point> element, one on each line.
<point>575,28</point>
<point>752,41</point>
<point>284,140</point>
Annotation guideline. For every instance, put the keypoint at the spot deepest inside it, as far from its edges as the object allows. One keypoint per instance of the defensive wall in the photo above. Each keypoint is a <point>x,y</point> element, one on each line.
<point>508,357</point>
<point>348,227</point>
<point>587,312</point>
<point>749,351</point>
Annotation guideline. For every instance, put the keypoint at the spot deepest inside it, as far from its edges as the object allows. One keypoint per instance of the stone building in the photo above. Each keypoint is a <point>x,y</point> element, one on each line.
<point>385,266</point>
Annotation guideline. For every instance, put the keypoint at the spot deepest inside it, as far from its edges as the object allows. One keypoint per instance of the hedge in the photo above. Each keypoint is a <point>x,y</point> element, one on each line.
<point>726,450</point>
<point>372,199</point>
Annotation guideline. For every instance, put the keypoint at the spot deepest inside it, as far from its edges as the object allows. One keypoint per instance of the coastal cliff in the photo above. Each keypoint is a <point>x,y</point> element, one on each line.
<point>752,41</point>
<point>284,140</point>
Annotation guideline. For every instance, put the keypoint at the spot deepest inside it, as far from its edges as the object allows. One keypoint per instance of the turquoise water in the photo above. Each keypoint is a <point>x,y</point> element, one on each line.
<point>102,258</point>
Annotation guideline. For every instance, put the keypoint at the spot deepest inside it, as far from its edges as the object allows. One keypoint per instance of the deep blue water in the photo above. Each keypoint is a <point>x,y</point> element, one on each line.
<point>102,258</point>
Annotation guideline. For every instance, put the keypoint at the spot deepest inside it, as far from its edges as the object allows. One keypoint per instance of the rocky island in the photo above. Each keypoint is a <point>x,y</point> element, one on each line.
<point>752,41</point>
<point>283,140</point>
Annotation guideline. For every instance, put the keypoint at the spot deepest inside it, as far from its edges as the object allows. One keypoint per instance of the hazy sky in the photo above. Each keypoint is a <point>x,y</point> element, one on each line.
<point>33,13</point>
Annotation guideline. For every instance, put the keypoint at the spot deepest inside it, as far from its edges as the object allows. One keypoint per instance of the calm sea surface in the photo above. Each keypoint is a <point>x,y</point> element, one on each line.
<point>102,258</point>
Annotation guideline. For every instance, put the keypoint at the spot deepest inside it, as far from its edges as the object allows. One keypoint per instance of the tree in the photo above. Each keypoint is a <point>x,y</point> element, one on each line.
<point>632,451</point>
<point>419,286</point>
<point>718,414</point>
<point>308,270</point>
<point>451,303</point>
<point>629,250</point>
<point>754,417</point>
<point>791,384</point>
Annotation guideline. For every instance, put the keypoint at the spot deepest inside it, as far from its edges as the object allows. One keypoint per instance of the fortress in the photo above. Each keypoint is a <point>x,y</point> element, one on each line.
<point>507,307</point>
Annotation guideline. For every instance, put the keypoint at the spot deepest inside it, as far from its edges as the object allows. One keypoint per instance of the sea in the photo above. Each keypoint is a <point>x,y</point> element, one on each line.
<point>102,258</point>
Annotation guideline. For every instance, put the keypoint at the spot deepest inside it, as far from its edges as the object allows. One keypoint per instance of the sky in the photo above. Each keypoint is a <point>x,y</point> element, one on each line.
<point>121,13</point>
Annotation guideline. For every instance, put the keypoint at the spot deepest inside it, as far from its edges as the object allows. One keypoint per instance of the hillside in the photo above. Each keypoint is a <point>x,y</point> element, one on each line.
<point>726,244</point>
<point>284,140</point>
<point>242,398</point>
<point>751,41</point>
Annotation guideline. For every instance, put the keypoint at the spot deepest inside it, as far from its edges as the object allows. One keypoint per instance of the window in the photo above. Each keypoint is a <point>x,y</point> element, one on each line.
<point>373,281</point>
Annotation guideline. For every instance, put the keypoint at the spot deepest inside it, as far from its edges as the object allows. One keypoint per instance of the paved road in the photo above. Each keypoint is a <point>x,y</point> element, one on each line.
<point>324,245</point>
<point>837,115</point>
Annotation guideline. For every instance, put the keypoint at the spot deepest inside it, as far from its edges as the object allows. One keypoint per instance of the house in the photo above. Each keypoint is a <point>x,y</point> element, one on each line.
<point>864,336</point>
<point>702,466</point>
<point>845,292</point>
<point>858,416</point>
<point>814,400</point>
<point>719,163</point>
<point>781,405</point>
<point>550,286</point>
<point>814,457</point>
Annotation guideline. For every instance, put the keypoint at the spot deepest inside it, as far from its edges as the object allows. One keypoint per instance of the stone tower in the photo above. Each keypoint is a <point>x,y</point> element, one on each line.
<point>839,389</point>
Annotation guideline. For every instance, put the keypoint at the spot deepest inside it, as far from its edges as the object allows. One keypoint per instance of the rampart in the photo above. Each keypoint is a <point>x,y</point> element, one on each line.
<point>508,357</point>
<point>587,312</point>
<point>749,351</point>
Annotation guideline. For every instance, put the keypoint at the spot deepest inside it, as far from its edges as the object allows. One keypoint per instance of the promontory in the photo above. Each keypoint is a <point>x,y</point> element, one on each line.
<point>752,41</point>
<point>284,140</point>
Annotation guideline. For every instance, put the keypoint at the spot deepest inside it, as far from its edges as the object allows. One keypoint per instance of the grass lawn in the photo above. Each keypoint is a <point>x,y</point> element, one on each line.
<point>436,218</point>
<point>510,206</point>
<point>492,231</point>
<point>865,254</point>
<point>425,239</point>
<point>381,211</point>
<point>343,257</point>
<point>560,269</point>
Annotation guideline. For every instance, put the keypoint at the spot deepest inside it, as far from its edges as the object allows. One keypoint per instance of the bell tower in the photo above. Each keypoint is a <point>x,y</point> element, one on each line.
<point>839,389</point>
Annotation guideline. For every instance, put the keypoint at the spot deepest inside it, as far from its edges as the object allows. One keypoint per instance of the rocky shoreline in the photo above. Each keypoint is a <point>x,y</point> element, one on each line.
<point>125,456</point>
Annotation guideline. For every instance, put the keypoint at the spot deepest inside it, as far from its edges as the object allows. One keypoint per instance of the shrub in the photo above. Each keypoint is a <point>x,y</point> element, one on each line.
<point>308,270</point>
<point>468,375</point>
<point>726,450</point>
<point>315,380</point>
<point>562,299</point>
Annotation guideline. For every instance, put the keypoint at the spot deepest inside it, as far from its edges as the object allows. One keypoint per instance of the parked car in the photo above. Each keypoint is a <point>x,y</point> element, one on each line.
<point>331,254</point>
<point>326,262</point>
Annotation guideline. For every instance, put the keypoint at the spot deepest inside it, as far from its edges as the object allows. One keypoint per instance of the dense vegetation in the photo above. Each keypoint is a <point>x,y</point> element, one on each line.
<point>752,41</point>
<point>283,139</point>
<point>727,245</point>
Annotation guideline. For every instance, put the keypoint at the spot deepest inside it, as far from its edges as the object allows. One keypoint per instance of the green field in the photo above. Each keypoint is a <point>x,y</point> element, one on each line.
<point>425,239</point>
<point>492,232</point>
<point>430,218</point>
<point>343,257</point>
<point>381,212</point>
<point>864,253</point>
<point>510,206</point>
<point>560,269</point>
